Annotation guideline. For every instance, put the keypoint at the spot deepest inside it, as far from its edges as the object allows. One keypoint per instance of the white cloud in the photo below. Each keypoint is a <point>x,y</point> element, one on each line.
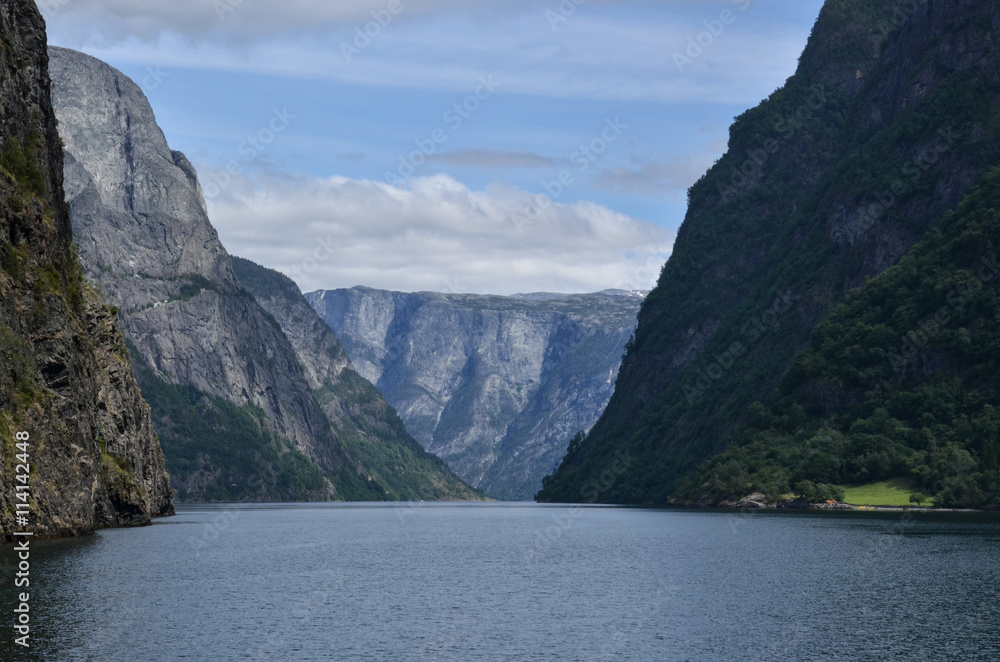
<point>434,234</point>
<point>116,19</point>
<point>597,54</point>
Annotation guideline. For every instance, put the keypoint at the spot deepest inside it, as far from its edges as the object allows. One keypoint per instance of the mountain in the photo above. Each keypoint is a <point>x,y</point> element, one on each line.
<point>495,386</point>
<point>360,416</point>
<point>230,399</point>
<point>65,381</point>
<point>900,382</point>
<point>888,124</point>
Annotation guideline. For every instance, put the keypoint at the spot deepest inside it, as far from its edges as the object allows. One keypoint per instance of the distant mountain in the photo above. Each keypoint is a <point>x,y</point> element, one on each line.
<point>810,252</point>
<point>361,418</point>
<point>495,386</point>
<point>70,409</point>
<point>230,399</point>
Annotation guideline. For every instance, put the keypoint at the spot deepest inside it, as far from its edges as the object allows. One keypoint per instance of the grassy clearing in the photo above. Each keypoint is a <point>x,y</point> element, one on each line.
<point>895,492</point>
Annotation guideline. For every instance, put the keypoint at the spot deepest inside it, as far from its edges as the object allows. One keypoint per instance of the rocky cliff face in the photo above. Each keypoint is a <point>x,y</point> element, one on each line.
<point>251,393</point>
<point>66,380</point>
<point>359,414</point>
<point>495,386</point>
<point>889,121</point>
<point>145,238</point>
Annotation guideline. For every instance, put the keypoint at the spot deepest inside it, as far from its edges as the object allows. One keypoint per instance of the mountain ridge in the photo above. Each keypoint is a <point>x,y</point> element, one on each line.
<point>359,414</point>
<point>494,385</point>
<point>230,396</point>
<point>811,201</point>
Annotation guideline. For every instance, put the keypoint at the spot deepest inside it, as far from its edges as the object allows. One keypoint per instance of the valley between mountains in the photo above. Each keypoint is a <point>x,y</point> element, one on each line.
<point>827,321</point>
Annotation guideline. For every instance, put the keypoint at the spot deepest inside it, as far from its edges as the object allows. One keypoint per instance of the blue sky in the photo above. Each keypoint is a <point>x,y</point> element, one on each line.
<point>483,105</point>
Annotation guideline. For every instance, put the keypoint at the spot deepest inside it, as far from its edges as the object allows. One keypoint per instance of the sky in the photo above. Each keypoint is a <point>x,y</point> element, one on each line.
<point>486,146</point>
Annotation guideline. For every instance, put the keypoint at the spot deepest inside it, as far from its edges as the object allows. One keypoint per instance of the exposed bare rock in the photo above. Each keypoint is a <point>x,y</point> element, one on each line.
<point>495,386</point>
<point>65,378</point>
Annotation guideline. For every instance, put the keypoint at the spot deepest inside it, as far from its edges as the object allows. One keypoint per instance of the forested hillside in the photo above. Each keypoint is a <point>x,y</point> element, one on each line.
<point>891,118</point>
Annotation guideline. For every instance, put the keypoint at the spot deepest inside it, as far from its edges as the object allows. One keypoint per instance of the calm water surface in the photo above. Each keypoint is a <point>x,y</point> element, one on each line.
<point>516,582</point>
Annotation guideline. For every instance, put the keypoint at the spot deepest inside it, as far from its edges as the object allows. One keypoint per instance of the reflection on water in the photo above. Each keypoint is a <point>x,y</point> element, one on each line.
<point>516,582</point>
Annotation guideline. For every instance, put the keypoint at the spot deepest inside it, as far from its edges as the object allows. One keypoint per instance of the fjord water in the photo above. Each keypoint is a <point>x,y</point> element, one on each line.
<point>517,582</point>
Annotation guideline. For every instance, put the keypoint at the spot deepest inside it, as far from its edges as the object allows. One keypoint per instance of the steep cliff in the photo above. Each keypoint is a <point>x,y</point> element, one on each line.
<point>889,121</point>
<point>65,377</point>
<point>361,417</point>
<point>230,399</point>
<point>899,383</point>
<point>495,386</point>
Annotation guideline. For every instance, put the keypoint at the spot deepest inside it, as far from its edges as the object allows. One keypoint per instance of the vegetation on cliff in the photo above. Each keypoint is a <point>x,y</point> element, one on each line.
<point>901,381</point>
<point>65,384</point>
<point>364,422</point>
<point>889,122</point>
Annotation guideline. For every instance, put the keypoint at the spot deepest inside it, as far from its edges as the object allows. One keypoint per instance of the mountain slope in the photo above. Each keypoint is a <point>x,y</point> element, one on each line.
<point>495,386</point>
<point>361,417</point>
<point>889,121</point>
<point>900,382</point>
<point>229,398</point>
<point>65,378</point>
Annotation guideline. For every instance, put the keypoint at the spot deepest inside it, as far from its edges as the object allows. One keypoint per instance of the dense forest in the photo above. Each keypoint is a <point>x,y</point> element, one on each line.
<point>901,381</point>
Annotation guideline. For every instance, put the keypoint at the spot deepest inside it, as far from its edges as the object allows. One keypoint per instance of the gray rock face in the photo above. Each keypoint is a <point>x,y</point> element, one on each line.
<point>65,378</point>
<point>358,412</point>
<point>495,386</point>
<point>145,238</point>
<point>138,213</point>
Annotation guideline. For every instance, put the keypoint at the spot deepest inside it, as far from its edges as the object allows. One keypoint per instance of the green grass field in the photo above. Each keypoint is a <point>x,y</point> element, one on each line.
<point>895,492</point>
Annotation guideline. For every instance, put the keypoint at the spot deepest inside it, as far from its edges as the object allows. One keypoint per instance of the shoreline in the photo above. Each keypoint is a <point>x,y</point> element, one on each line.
<point>759,502</point>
